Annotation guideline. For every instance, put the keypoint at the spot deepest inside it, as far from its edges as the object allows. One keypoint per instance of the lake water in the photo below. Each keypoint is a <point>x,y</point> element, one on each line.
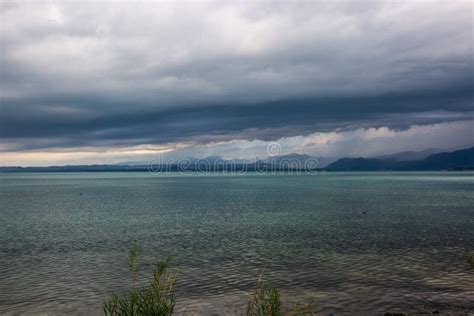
<point>348,242</point>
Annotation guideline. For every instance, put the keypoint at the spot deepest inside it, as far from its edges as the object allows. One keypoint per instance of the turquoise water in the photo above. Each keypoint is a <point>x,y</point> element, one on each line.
<point>344,241</point>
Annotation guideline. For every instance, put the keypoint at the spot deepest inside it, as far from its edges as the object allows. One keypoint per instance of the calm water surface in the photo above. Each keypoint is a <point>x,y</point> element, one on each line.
<point>344,241</point>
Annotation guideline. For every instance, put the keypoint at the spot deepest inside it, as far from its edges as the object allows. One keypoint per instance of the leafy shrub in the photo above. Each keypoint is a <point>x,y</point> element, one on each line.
<point>264,302</point>
<point>155,300</point>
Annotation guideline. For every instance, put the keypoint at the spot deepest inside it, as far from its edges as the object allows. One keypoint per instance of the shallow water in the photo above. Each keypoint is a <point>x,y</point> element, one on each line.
<point>344,241</point>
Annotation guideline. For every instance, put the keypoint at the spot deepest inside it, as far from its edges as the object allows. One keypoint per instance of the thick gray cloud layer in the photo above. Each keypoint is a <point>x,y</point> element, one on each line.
<point>123,74</point>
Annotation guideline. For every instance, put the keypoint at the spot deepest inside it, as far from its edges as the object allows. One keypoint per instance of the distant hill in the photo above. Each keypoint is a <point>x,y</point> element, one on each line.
<point>458,160</point>
<point>360,164</point>
<point>411,155</point>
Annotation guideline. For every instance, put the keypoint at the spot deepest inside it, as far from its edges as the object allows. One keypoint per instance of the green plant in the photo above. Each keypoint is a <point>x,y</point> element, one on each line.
<point>264,302</point>
<point>155,300</point>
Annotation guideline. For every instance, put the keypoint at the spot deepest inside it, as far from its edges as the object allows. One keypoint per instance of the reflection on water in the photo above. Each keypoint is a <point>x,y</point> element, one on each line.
<point>344,241</point>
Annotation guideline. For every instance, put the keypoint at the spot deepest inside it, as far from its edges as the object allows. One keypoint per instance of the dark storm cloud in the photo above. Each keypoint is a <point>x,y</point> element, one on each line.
<point>266,121</point>
<point>117,75</point>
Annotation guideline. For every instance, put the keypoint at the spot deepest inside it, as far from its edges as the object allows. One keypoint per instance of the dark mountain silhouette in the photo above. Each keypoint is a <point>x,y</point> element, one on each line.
<point>456,160</point>
<point>360,164</point>
<point>410,155</point>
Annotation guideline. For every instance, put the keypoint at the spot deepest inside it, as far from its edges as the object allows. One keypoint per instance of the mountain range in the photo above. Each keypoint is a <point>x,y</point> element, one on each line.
<point>456,160</point>
<point>405,161</point>
<point>411,155</point>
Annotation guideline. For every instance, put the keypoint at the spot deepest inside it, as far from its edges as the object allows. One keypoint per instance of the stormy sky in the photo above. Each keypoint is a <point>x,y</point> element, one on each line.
<point>103,82</point>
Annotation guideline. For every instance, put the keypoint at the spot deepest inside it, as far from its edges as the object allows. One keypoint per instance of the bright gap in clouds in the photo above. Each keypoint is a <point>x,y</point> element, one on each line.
<point>355,143</point>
